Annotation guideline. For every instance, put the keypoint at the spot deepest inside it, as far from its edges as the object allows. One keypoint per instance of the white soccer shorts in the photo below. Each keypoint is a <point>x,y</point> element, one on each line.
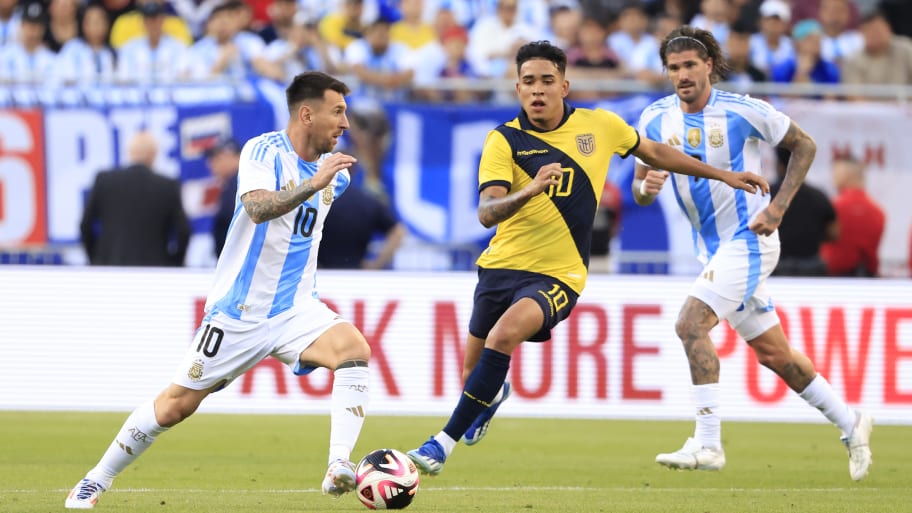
<point>225,348</point>
<point>734,286</point>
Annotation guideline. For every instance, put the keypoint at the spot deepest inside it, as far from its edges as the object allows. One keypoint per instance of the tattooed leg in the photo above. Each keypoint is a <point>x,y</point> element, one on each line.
<point>692,327</point>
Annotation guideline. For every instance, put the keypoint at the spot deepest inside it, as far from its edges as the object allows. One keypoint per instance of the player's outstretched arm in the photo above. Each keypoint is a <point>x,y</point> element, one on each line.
<point>262,205</point>
<point>495,205</point>
<point>803,150</point>
<point>662,156</point>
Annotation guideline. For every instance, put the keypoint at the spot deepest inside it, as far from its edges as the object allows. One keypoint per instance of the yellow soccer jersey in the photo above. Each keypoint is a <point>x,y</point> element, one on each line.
<point>551,233</point>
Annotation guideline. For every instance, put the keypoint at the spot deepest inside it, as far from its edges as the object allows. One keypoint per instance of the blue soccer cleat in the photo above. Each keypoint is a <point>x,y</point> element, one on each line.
<point>429,458</point>
<point>479,428</point>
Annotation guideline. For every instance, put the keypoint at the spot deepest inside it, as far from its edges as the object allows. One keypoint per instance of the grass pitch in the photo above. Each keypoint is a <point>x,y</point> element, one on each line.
<point>259,463</point>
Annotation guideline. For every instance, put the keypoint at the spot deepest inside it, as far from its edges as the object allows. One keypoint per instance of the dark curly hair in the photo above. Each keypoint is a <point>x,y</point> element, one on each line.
<point>541,50</point>
<point>685,38</point>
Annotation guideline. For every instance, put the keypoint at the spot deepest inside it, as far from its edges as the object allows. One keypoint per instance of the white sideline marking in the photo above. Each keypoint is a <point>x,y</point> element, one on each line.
<point>425,489</point>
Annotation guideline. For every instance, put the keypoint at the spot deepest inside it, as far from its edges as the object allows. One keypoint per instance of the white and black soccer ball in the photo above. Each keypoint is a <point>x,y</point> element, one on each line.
<point>386,479</point>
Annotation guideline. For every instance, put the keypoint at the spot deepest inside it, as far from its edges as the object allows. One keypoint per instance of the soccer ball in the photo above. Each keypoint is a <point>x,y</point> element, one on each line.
<point>386,479</point>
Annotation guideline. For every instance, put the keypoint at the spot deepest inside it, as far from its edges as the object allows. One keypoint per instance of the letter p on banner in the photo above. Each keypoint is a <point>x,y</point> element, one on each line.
<point>23,212</point>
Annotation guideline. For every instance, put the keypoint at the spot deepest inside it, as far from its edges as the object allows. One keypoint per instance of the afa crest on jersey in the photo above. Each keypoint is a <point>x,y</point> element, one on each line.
<point>585,143</point>
<point>716,139</point>
<point>328,194</point>
<point>196,370</point>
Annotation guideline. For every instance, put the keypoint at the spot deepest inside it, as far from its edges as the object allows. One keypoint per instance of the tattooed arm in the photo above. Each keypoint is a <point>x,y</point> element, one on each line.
<point>262,205</point>
<point>495,205</point>
<point>803,149</point>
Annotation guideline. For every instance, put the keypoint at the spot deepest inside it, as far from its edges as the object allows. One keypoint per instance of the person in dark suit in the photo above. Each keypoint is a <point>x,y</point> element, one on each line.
<point>133,216</point>
<point>223,159</point>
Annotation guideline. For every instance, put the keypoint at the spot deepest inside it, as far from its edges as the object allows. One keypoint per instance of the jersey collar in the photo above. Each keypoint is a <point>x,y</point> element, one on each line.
<point>525,124</point>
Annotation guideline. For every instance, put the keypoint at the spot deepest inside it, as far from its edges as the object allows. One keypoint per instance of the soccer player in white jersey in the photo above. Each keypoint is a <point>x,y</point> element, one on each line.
<point>736,239</point>
<point>263,301</point>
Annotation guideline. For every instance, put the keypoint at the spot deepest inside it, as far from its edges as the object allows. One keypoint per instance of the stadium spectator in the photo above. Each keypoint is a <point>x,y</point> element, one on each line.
<point>807,66</point>
<point>28,60</point>
<point>810,9</point>
<point>225,53</point>
<point>592,59</point>
<point>736,240</point>
<point>381,65</point>
<point>263,301</point>
<point>281,18</point>
<point>357,221</point>
<point>839,40</point>
<point>494,39</point>
<point>526,286</point>
<point>223,159</point>
<point>809,222</point>
<point>528,12</point>
<point>772,45</point>
<point>741,70</point>
<point>10,17</point>
<point>445,60</point>
<point>247,36</point>
<point>88,59</point>
<point>341,27</point>
<point>133,216</point>
<point>885,59</point>
<point>683,10</point>
<point>299,50</point>
<point>635,45</point>
<point>62,24</point>
<point>154,57</point>
<point>411,30</point>
<point>565,25</point>
<point>195,13</point>
<point>716,16</point>
<point>132,24</point>
<point>861,224</point>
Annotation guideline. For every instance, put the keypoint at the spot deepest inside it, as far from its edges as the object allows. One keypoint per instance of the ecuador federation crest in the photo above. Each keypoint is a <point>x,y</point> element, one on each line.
<point>328,194</point>
<point>585,143</point>
<point>694,136</point>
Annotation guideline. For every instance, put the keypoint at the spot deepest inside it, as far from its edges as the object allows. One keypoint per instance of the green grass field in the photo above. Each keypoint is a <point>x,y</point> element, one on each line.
<point>256,463</point>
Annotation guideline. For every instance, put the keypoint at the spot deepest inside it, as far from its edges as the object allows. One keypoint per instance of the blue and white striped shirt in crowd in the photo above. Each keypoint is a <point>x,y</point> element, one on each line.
<point>138,62</point>
<point>79,63</point>
<point>21,66</point>
<point>725,134</point>
<point>205,53</point>
<point>264,268</point>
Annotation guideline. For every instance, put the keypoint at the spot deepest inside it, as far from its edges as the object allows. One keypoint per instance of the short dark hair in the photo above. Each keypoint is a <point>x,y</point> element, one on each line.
<point>312,85</point>
<point>685,38</point>
<point>541,50</point>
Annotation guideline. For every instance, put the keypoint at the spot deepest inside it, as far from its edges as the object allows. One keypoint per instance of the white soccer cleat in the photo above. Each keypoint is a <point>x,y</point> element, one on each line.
<point>858,444</point>
<point>693,456</point>
<point>84,495</point>
<point>340,478</point>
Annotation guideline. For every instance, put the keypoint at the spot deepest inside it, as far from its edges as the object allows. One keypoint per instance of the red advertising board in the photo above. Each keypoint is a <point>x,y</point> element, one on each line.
<point>23,205</point>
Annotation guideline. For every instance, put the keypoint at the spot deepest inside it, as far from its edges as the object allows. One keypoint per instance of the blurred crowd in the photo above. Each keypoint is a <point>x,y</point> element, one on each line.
<point>399,49</point>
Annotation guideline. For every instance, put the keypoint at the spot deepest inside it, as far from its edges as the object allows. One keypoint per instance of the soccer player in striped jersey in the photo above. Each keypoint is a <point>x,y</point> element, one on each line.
<point>540,180</point>
<point>735,238</point>
<point>263,301</point>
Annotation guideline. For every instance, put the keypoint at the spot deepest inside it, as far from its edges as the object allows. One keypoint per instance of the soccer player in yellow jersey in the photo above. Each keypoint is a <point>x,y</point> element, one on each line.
<point>540,180</point>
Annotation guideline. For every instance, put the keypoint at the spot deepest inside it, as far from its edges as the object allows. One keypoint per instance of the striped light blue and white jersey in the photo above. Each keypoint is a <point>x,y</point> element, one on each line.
<point>265,268</point>
<point>725,134</point>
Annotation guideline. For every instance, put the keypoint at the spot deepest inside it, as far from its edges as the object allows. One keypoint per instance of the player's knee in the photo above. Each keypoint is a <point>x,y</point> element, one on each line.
<point>354,348</point>
<point>690,329</point>
<point>771,357</point>
<point>171,411</point>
